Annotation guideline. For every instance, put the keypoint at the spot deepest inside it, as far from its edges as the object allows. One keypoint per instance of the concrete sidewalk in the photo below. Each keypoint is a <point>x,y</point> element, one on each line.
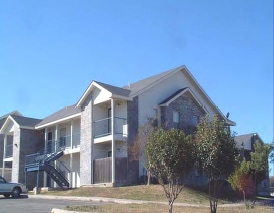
<point>115,200</point>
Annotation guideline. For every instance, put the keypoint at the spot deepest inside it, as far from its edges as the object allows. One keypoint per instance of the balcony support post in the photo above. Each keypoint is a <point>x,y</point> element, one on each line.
<point>4,155</point>
<point>113,141</point>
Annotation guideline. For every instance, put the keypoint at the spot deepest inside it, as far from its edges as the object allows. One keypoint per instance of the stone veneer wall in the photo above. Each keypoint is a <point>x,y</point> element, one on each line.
<point>1,150</point>
<point>86,160</point>
<point>187,108</point>
<point>25,142</point>
<point>31,141</point>
<point>133,124</point>
<point>16,155</point>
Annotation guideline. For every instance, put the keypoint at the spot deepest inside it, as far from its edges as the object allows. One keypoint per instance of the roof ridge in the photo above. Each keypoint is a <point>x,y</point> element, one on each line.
<point>11,113</point>
<point>21,116</point>
<point>99,82</point>
<point>145,83</point>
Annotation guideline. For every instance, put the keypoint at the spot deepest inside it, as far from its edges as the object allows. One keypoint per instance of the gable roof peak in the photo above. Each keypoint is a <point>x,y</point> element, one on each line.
<point>15,112</point>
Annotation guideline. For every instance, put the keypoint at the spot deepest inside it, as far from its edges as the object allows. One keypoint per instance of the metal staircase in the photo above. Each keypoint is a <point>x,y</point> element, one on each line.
<point>47,161</point>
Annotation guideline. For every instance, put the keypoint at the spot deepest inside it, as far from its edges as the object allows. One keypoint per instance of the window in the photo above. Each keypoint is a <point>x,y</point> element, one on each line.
<point>109,153</point>
<point>50,143</point>
<point>195,120</point>
<point>62,137</point>
<point>176,119</point>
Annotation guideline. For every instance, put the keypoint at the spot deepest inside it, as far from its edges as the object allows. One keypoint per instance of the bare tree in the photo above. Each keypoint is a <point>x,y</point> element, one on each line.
<point>137,148</point>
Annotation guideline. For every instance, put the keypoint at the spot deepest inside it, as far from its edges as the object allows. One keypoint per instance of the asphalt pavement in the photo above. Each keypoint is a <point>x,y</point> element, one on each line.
<point>32,204</point>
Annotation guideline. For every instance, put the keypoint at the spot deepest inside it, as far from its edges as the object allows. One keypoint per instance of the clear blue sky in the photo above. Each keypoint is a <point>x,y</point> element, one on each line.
<point>51,50</point>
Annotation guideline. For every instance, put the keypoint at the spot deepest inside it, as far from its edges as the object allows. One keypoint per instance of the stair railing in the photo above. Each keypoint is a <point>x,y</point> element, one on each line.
<point>40,156</point>
<point>62,169</point>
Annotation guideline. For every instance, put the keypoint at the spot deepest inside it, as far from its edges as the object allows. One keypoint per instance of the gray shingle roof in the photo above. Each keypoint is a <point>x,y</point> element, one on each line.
<point>2,121</point>
<point>115,90</point>
<point>172,96</point>
<point>25,121</point>
<point>243,138</point>
<point>63,113</point>
<point>145,83</point>
<point>4,117</point>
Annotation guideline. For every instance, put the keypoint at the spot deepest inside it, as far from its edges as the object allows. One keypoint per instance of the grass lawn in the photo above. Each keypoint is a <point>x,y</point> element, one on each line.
<point>157,208</point>
<point>139,192</point>
<point>150,193</point>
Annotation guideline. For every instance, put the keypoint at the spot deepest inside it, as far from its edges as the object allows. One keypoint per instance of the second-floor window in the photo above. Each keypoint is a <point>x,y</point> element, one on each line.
<point>176,119</point>
<point>63,137</point>
<point>195,120</point>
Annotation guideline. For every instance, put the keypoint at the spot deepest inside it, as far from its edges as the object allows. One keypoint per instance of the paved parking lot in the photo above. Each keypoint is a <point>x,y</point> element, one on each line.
<point>27,205</point>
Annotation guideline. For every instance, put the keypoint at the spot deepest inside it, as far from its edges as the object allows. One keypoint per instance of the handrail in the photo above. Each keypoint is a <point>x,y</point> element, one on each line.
<point>63,166</point>
<point>59,169</point>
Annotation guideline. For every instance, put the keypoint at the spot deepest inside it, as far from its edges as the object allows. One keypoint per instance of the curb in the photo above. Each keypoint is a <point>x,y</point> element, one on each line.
<point>55,210</point>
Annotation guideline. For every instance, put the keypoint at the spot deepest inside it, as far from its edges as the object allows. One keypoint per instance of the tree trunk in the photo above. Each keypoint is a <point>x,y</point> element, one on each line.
<point>255,188</point>
<point>213,205</point>
<point>170,206</point>
<point>244,197</point>
<point>213,190</point>
<point>148,177</point>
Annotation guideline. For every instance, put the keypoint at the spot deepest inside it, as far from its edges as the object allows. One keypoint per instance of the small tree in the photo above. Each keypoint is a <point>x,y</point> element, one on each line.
<point>216,153</point>
<point>259,163</point>
<point>241,180</point>
<point>171,157</point>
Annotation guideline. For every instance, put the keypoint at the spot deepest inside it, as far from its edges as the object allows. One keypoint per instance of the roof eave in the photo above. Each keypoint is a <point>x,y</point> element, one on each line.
<point>83,97</point>
<point>121,97</point>
<point>57,121</point>
<point>230,123</point>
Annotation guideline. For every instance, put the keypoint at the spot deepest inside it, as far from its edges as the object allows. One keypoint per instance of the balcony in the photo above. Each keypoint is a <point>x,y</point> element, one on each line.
<point>64,143</point>
<point>103,129</point>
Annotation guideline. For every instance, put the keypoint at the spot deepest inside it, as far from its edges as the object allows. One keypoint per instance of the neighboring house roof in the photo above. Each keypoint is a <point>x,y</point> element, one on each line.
<point>245,140</point>
<point>65,113</point>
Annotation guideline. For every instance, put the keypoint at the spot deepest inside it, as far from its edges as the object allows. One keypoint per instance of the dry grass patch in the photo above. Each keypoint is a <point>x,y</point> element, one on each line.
<point>140,192</point>
<point>158,208</point>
